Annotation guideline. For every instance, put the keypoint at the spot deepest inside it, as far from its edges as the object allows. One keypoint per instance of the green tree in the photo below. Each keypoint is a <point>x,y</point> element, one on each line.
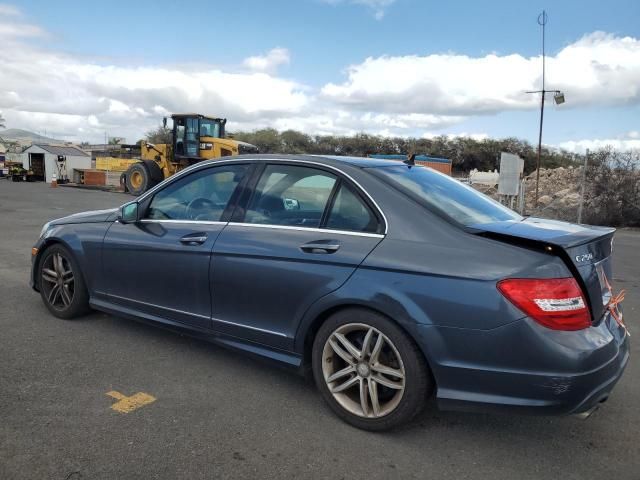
<point>159,135</point>
<point>465,153</point>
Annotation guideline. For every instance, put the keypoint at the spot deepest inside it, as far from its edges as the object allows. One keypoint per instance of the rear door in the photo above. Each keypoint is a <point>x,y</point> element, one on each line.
<point>302,233</point>
<point>160,265</point>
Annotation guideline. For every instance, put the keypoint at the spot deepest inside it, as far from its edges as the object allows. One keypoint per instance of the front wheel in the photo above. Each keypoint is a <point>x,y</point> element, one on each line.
<point>369,371</point>
<point>62,286</point>
<point>138,179</point>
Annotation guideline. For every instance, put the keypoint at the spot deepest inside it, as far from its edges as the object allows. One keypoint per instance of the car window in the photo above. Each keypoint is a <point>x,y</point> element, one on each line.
<point>449,197</point>
<point>349,212</point>
<point>290,195</point>
<point>202,195</point>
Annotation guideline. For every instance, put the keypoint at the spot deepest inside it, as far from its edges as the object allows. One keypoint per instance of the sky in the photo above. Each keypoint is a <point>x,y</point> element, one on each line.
<point>80,71</point>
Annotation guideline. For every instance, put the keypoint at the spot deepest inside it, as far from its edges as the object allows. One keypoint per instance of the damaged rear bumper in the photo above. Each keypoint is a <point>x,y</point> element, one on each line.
<point>526,368</point>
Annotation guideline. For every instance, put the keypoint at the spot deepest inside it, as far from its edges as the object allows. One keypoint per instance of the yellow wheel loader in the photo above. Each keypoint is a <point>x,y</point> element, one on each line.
<point>194,138</point>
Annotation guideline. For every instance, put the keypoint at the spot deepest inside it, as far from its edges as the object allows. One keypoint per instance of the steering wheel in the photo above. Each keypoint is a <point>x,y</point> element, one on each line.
<point>198,204</point>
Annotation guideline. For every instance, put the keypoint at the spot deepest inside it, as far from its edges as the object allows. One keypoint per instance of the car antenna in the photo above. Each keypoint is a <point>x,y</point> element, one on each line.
<point>411,159</point>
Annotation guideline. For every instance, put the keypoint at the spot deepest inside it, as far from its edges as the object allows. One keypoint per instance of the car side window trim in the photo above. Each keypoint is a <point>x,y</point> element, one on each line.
<point>308,229</point>
<point>354,191</point>
<point>249,191</point>
<point>260,163</point>
<point>199,222</point>
<point>342,179</point>
<point>329,206</point>
<point>145,202</point>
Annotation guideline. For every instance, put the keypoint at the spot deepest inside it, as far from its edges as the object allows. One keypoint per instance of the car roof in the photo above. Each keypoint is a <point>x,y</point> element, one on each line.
<point>334,160</point>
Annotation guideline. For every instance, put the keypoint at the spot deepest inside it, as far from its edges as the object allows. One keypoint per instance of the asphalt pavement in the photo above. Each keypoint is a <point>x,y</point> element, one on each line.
<point>219,414</point>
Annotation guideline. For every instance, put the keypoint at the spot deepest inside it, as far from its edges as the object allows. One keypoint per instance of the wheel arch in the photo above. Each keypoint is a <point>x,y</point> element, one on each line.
<point>308,334</point>
<point>49,242</point>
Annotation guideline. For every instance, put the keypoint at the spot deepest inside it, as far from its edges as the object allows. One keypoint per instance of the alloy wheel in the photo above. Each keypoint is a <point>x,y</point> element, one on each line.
<point>363,370</point>
<point>58,281</point>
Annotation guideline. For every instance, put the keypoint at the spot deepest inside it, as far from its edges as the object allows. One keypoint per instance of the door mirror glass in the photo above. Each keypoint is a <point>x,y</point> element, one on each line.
<point>129,213</point>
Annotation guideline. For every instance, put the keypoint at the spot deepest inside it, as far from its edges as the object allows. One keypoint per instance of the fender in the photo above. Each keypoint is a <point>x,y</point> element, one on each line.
<point>87,252</point>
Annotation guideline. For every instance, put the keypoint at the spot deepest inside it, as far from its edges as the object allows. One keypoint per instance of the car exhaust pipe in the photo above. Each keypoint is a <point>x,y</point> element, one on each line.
<point>588,413</point>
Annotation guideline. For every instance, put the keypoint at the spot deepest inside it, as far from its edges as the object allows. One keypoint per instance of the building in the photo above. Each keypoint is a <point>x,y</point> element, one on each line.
<point>43,160</point>
<point>440,164</point>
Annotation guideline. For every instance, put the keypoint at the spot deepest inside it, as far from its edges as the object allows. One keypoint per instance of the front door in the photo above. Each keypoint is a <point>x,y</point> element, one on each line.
<point>302,235</point>
<point>159,266</point>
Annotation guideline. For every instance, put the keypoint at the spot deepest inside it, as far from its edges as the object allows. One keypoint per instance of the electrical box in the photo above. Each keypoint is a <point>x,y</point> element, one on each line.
<point>511,169</point>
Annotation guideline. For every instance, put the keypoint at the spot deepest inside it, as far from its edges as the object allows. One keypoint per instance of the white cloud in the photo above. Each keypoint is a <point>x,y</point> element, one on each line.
<point>79,98</point>
<point>377,7</point>
<point>628,141</point>
<point>597,69</point>
<point>344,122</point>
<point>75,98</point>
<point>9,10</point>
<point>450,136</point>
<point>269,62</point>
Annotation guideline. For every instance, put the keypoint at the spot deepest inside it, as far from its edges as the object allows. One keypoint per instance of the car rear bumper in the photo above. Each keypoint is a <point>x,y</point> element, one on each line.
<point>524,367</point>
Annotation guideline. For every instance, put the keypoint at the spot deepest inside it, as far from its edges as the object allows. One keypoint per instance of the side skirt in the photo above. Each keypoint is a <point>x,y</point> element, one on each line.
<point>279,357</point>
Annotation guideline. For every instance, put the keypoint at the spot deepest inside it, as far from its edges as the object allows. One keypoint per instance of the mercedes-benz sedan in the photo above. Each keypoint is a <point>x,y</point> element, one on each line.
<point>390,282</point>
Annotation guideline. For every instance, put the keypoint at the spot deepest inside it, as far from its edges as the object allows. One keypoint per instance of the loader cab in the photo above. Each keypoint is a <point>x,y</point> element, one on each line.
<point>194,134</point>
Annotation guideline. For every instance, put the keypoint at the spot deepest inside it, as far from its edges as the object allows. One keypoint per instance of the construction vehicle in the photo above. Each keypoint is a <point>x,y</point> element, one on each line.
<point>194,138</point>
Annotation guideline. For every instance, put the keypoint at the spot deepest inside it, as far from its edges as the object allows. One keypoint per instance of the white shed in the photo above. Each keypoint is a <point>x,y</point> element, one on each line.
<point>43,160</point>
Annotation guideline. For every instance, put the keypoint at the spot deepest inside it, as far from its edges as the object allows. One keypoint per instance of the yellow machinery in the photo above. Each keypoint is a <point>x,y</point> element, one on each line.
<point>194,138</point>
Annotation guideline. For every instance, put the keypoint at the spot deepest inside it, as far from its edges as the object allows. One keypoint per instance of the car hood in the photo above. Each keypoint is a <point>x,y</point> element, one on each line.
<point>93,216</point>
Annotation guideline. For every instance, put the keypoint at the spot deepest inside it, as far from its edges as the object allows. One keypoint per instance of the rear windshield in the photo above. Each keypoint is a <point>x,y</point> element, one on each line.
<point>445,195</point>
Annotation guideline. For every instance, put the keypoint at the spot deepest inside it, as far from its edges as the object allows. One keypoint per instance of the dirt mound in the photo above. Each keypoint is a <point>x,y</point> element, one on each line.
<point>559,193</point>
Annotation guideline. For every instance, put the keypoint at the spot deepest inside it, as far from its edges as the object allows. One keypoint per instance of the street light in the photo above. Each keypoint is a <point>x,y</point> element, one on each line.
<point>558,98</point>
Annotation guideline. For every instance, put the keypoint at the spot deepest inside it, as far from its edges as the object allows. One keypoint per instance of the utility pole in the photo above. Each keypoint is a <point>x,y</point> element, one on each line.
<point>558,98</point>
<point>582,182</point>
<point>542,21</point>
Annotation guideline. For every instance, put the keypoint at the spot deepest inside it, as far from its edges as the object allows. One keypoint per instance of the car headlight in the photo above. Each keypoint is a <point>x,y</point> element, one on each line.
<point>45,227</point>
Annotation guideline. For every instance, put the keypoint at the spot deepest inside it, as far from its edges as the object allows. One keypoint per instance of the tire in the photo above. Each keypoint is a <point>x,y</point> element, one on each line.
<point>402,390</point>
<point>155,172</point>
<point>57,267</point>
<point>138,179</point>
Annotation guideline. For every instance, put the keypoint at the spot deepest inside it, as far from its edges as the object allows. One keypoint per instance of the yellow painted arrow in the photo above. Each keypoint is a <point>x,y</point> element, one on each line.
<point>129,404</point>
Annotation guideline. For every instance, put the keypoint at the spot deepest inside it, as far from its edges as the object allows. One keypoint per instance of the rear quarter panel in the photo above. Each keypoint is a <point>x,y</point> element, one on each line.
<point>428,272</point>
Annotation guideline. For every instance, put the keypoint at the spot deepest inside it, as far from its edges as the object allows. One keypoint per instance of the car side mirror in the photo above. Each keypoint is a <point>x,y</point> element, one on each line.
<point>128,213</point>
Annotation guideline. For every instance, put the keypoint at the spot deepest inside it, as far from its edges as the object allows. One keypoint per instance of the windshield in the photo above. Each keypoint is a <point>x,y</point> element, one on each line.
<point>210,128</point>
<point>447,196</point>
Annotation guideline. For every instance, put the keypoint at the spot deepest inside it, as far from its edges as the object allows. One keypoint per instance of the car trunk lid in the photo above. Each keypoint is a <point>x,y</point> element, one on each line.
<point>585,249</point>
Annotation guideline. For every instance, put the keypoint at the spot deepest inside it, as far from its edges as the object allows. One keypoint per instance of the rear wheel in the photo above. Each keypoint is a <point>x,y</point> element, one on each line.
<point>369,371</point>
<point>138,179</point>
<point>62,286</point>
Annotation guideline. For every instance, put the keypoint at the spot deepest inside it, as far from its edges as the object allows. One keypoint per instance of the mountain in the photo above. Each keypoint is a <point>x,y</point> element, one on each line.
<point>25,136</point>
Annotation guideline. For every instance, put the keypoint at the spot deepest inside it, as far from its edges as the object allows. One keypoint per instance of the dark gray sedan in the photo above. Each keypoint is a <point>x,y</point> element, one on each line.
<point>390,282</point>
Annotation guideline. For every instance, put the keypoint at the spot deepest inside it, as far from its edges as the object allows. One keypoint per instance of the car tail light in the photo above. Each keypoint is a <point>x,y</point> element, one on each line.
<point>556,303</point>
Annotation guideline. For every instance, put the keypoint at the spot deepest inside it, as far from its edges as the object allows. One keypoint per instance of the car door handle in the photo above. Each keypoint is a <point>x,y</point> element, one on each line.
<point>194,239</point>
<point>320,247</point>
